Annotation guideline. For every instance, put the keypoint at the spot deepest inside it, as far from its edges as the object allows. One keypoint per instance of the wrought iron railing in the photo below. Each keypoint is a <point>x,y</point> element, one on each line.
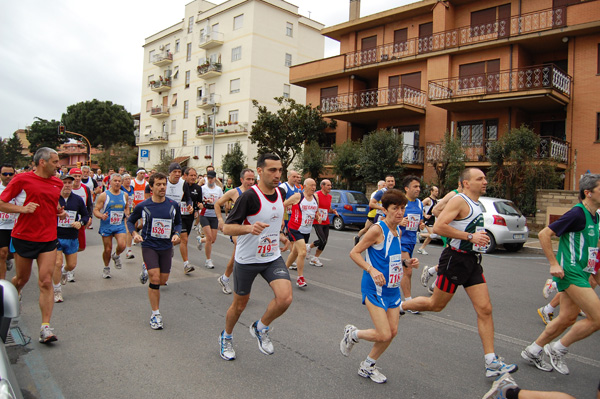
<point>411,155</point>
<point>159,84</point>
<point>211,67</point>
<point>513,80</point>
<point>159,110</point>
<point>535,21</point>
<point>380,97</point>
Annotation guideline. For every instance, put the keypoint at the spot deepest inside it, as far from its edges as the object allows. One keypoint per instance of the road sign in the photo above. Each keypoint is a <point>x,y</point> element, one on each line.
<point>144,155</point>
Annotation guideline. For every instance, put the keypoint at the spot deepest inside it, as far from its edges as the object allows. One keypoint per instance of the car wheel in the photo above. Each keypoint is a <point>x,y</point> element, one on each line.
<point>338,223</point>
<point>513,247</point>
<point>492,246</point>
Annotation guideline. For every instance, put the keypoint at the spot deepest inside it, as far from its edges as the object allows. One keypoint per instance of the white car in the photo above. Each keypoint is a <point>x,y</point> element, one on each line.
<point>504,224</point>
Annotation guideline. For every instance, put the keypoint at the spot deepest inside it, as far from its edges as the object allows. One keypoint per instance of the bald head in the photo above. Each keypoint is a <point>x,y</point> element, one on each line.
<point>310,186</point>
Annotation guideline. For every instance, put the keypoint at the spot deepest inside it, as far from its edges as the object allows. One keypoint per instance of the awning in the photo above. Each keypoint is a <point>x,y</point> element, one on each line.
<point>174,101</point>
<point>147,131</point>
<point>181,160</point>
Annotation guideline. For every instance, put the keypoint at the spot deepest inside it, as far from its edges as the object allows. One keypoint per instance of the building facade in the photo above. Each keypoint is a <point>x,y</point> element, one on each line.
<point>473,68</point>
<point>201,75</point>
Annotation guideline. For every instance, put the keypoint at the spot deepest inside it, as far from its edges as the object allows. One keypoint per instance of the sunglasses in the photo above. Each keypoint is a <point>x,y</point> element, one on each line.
<point>7,174</point>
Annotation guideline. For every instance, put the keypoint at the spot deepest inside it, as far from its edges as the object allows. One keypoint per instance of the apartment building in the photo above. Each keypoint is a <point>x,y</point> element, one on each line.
<point>201,75</point>
<point>475,68</point>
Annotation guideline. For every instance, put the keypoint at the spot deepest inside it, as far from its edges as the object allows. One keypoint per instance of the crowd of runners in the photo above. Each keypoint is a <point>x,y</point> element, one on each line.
<point>44,215</point>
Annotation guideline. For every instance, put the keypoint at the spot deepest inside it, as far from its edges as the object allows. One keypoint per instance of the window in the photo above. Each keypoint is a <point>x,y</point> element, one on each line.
<point>289,29</point>
<point>173,126</point>
<point>165,128</point>
<point>215,29</point>
<point>411,80</point>
<point>286,91</point>
<point>411,153</point>
<point>491,20</point>
<point>233,115</point>
<point>196,151</point>
<point>148,130</point>
<point>176,72</point>
<point>288,60</point>
<point>150,79</point>
<point>208,150</point>
<point>167,48</point>
<point>234,86</point>
<point>476,136</point>
<point>479,77</point>
<point>210,122</point>
<point>238,22</point>
<point>186,109</point>
<point>200,92</point>
<point>368,53</point>
<point>187,79</point>
<point>172,152</point>
<point>151,56</point>
<point>236,53</point>
<point>190,24</point>
<point>177,45</point>
<point>198,121</point>
<point>425,37</point>
<point>184,139</point>
<point>188,57</point>
<point>230,147</point>
<point>148,105</point>
<point>163,153</point>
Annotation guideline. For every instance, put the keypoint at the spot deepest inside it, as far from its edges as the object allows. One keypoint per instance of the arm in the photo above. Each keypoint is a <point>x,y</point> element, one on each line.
<point>374,201</point>
<point>12,208</point>
<point>220,202</point>
<point>293,200</point>
<point>545,237</point>
<point>83,211</point>
<point>126,196</point>
<point>133,218</point>
<point>373,236</point>
<point>439,207</point>
<point>451,212</point>
<point>98,208</point>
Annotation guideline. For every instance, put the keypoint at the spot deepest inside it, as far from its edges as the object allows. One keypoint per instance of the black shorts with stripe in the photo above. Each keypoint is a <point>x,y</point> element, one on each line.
<point>458,268</point>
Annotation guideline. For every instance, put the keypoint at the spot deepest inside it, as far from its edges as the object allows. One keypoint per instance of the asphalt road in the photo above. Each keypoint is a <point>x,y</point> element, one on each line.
<point>106,348</point>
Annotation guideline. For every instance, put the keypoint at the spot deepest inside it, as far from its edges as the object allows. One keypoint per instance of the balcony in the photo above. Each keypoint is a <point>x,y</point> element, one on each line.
<point>155,140</point>
<point>163,59</point>
<point>210,70</point>
<point>372,104</point>
<point>537,21</point>
<point>411,155</point>
<point>211,40</point>
<point>208,101</point>
<point>533,88</point>
<point>233,129</point>
<point>159,112</point>
<point>160,85</point>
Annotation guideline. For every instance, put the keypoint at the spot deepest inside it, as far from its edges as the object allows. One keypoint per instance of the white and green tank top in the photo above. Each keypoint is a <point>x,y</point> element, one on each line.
<point>471,224</point>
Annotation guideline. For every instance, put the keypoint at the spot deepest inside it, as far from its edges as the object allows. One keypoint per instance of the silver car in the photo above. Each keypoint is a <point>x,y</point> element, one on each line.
<point>504,224</point>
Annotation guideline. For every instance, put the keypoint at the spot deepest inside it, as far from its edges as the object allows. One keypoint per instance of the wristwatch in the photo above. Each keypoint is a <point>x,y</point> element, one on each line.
<point>469,237</point>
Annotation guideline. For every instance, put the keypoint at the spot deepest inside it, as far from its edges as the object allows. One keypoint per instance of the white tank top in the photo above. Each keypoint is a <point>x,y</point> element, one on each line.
<point>262,248</point>
<point>175,191</point>
<point>470,224</point>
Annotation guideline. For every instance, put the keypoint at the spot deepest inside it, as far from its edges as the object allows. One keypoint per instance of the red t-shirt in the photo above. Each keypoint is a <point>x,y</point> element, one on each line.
<point>39,226</point>
<point>324,207</point>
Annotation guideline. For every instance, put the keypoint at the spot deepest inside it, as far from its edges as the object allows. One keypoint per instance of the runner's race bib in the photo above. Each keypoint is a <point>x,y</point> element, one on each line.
<point>323,213</point>
<point>116,217</point>
<point>69,220</point>
<point>307,221</point>
<point>413,222</point>
<point>183,208</point>
<point>138,195</point>
<point>161,228</point>
<point>396,271</point>
<point>6,217</point>
<point>267,245</point>
<point>592,260</point>
<point>480,248</point>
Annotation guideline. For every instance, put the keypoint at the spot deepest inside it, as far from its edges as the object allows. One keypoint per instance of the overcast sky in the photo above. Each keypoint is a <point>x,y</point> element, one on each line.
<point>60,52</point>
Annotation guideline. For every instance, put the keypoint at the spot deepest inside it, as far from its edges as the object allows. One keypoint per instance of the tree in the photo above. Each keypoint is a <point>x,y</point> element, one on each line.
<point>517,172</point>
<point>379,155</point>
<point>346,160</point>
<point>101,122</point>
<point>310,160</point>
<point>285,131</point>
<point>448,161</point>
<point>11,152</point>
<point>44,133</point>
<point>234,162</point>
<point>119,155</point>
<point>163,165</point>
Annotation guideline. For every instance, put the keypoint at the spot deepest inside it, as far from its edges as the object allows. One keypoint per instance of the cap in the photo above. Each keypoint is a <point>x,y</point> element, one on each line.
<point>211,173</point>
<point>174,166</point>
<point>75,171</point>
<point>140,170</point>
<point>65,177</point>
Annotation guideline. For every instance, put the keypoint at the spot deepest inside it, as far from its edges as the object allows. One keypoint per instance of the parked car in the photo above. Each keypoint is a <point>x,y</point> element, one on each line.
<point>352,208</point>
<point>9,305</point>
<point>504,224</point>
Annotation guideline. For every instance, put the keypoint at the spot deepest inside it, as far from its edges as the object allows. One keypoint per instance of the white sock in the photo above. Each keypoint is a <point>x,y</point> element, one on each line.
<point>490,357</point>
<point>128,249</point>
<point>560,347</point>
<point>408,298</point>
<point>260,326</point>
<point>354,335</point>
<point>431,271</point>
<point>63,269</point>
<point>187,262</point>
<point>370,361</point>
<point>155,312</point>
<point>549,308</point>
<point>225,278</point>
<point>534,348</point>
<point>56,286</point>
<point>400,307</point>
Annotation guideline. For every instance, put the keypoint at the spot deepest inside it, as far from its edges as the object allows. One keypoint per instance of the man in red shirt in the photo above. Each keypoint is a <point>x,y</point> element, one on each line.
<point>321,228</point>
<point>34,234</point>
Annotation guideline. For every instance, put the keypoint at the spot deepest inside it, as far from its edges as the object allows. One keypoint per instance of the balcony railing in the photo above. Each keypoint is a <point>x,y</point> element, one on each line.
<point>160,85</point>
<point>211,40</point>
<point>547,76</point>
<point>163,58</point>
<point>535,21</point>
<point>380,97</point>
<point>411,155</point>
<point>551,147</point>
<point>159,111</point>
<point>209,70</point>
<point>208,101</point>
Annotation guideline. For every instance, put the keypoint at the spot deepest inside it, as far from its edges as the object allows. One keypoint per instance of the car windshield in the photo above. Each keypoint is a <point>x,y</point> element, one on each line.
<point>357,198</point>
<point>507,208</point>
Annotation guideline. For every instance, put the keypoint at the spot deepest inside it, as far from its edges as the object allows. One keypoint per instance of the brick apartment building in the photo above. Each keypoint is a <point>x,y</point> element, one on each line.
<point>472,67</point>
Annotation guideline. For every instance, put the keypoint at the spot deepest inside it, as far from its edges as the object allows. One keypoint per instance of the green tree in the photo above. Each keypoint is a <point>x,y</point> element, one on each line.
<point>285,131</point>
<point>101,122</point>
<point>44,133</point>
<point>11,152</point>
<point>163,165</point>
<point>379,155</point>
<point>311,160</point>
<point>448,161</point>
<point>517,171</point>
<point>119,155</point>
<point>346,160</point>
<point>234,162</point>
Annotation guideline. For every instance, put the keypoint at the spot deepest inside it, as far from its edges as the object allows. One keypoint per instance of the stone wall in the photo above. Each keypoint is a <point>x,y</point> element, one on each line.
<point>551,204</point>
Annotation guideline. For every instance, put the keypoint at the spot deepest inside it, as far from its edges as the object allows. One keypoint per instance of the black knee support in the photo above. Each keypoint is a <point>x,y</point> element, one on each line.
<point>154,286</point>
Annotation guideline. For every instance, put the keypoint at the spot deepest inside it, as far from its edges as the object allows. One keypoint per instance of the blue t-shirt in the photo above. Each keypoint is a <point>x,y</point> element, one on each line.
<point>414,212</point>
<point>77,212</point>
<point>161,221</point>
<point>572,221</point>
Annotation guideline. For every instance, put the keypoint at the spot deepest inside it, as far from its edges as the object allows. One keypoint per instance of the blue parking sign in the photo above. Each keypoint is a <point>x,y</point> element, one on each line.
<point>144,155</point>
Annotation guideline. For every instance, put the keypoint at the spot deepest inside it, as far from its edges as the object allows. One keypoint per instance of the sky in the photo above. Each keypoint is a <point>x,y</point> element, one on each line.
<point>61,52</point>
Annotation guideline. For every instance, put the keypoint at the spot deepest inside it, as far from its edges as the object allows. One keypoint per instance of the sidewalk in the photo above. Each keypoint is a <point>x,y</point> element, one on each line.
<point>533,245</point>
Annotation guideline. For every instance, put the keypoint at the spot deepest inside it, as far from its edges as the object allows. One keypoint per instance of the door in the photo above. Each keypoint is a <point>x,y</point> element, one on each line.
<point>394,90</point>
<point>368,50</point>
<point>425,37</point>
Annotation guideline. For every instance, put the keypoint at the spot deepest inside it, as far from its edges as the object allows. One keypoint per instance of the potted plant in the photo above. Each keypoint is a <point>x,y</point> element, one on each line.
<point>207,157</point>
<point>195,157</point>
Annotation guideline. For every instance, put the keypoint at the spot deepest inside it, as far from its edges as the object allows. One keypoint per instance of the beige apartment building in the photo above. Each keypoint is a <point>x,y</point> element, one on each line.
<point>201,75</point>
<point>475,68</point>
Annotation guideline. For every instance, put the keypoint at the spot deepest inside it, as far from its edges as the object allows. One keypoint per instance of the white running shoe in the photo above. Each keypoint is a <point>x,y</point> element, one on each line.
<point>58,296</point>
<point>347,341</point>
<point>546,317</point>
<point>9,264</point>
<point>187,268</point>
<point>556,359</point>
<point>549,288</point>
<point>144,274</point>
<point>156,322</point>
<point>308,249</point>
<point>47,335</point>
<point>106,272</point>
<point>425,276</point>
<point>371,372</point>
<point>224,285</point>
<point>264,341</point>
<point>63,277</point>
<point>71,276</point>
<point>209,264</point>
<point>117,259</point>
<point>226,344</point>
<point>294,266</point>
<point>130,255</point>
<point>315,262</point>
<point>500,387</point>
<point>200,243</point>
<point>537,360</point>
<point>422,251</point>
<point>498,367</point>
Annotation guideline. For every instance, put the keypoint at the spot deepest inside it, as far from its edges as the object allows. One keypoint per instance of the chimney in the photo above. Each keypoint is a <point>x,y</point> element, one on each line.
<point>354,10</point>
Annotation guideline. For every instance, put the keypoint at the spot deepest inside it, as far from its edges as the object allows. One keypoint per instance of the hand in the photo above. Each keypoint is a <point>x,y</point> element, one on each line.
<point>30,208</point>
<point>258,227</point>
<point>404,222</point>
<point>137,238</point>
<point>62,214</point>
<point>480,238</point>
<point>190,209</point>
<point>221,224</point>
<point>421,226</point>
<point>175,239</point>
<point>412,262</point>
<point>76,225</point>
<point>377,277</point>
<point>336,212</point>
<point>104,216</point>
<point>89,223</point>
<point>557,271</point>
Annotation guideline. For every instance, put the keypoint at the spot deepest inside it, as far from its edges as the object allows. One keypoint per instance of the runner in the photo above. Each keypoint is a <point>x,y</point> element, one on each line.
<point>380,284</point>
<point>322,227</point>
<point>68,237</point>
<point>247,180</point>
<point>187,218</point>
<point>179,192</point>
<point>111,208</point>
<point>375,201</point>
<point>86,195</point>
<point>429,219</point>
<point>576,260</point>
<point>7,222</point>
<point>161,230</point>
<point>208,217</point>
<point>371,215</point>
<point>34,234</point>
<point>290,187</point>
<point>90,183</point>
<point>460,264</point>
<point>139,187</point>
<point>128,189</point>
<point>256,220</point>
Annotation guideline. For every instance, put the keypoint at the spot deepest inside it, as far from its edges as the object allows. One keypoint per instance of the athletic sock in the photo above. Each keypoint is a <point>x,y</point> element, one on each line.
<point>187,262</point>
<point>63,269</point>
<point>490,357</point>
<point>225,278</point>
<point>354,335</point>
<point>45,325</point>
<point>128,249</point>
<point>227,336</point>
<point>549,308</point>
<point>155,312</point>
<point>431,271</point>
<point>56,286</point>
<point>534,348</point>
<point>513,393</point>
<point>370,362</point>
<point>400,307</point>
<point>260,326</point>
<point>558,346</point>
<point>408,298</point>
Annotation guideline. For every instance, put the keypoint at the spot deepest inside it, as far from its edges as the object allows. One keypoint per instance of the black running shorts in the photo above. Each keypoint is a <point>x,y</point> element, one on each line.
<point>458,268</point>
<point>32,249</point>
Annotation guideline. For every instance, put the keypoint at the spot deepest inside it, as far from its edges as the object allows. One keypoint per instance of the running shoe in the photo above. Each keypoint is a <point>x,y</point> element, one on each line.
<point>422,251</point>
<point>498,367</point>
<point>187,268</point>
<point>556,359</point>
<point>537,360</point>
<point>144,274</point>
<point>200,243</point>
<point>431,287</point>
<point>546,317</point>
<point>425,276</point>
<point>58,296</point>
<point>63,277</point>
<point>9,264</point>
<point>308,249</point>
<point>224,285</point>
<point>371,372</point>
<point>117,259</point>
<point>356,240</point>
<point>500,387</point>
<point>549,288</point>
<point>582,313</point>
<point>156,322</point>
<point>106,272</point>
<point>209,264</point>
<point>71,276</point>
<point>300,282</point>
<point>414,311</point>
<point>227,352</point>
<point>294,266</point>
<point>130,255</point>
<point>47,335</point>
<point>315,262</point>
<point>264,342</point>
<point>347,341</point>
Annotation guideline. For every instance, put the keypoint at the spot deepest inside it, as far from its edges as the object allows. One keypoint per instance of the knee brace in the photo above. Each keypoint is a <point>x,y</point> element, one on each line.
<point>154,286</point>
